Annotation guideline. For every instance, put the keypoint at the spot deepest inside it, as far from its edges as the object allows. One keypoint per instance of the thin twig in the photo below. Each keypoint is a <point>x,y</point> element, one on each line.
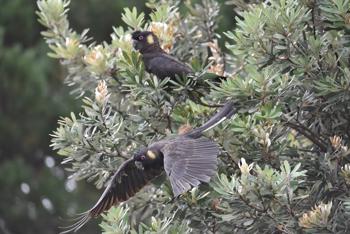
<point>308,134</point>
<point>201,102</point>
<point>250,205</point>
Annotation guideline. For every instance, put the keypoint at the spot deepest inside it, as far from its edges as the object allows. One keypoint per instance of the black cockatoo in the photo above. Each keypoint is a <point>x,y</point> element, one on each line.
<point>187,159</point>
<point>156,60</point>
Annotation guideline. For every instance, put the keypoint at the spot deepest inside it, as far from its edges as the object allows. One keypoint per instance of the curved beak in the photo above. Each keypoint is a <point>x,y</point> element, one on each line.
<point>134,44</point>
<point>139,164</point>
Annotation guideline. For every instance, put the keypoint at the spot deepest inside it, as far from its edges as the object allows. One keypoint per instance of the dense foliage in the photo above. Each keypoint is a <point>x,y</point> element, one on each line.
<point>27,113</point>
<point>287,67</point>
<point>35,192</point>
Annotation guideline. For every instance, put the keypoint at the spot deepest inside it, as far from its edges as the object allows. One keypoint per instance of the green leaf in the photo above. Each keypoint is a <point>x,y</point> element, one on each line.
<point>132,19</point>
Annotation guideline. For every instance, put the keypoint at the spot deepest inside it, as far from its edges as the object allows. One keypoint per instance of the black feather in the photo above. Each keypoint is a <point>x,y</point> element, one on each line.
<point>189,161</point>
<point>125,183</point>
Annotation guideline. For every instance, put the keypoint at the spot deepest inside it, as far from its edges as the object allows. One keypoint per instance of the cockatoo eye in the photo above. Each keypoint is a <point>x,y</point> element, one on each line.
<point>140,38</point>
<point>143,157</point>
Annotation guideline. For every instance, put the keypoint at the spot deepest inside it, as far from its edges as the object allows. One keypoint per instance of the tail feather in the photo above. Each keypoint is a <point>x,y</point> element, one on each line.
<point>225,113</point>
<point>81,221</point>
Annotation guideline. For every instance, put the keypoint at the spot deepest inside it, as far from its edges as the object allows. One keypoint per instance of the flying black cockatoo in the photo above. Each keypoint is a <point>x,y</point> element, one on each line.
<point>187,159</point>
<point>156,60</point>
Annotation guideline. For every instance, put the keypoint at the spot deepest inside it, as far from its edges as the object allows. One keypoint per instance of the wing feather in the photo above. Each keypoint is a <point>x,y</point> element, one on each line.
<point>188,162</point>
<point>169,66</point>
<point>127,181</point>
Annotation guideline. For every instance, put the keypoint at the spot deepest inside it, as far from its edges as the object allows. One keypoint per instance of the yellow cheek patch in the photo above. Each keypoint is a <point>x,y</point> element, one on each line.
<point>150,39</point>
<point>151,154</point>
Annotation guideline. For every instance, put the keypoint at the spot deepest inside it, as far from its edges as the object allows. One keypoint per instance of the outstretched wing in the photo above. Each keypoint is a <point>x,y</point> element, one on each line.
<point>163,65</point>
<point>188,162</point>
<point>127,181</point>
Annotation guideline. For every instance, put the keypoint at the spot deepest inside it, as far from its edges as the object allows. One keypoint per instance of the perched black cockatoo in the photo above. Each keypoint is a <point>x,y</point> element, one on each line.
<point>187,159</point>
<point>156,60</point>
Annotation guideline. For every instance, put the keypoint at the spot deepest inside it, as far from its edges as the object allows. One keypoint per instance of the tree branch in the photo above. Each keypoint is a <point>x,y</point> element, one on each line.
<point>308,134</point>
